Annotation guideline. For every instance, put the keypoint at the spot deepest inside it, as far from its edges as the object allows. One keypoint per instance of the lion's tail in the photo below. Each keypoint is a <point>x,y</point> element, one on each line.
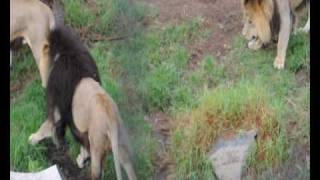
<point>114,126</point>
<point>115,148</point>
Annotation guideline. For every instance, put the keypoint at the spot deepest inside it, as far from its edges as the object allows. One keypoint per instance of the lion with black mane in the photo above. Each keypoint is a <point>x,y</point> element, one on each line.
<point>267,20</point>
<point>76,99</point>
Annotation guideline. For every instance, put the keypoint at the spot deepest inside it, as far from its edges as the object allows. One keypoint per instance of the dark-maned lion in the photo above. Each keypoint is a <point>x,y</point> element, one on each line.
<point>32,20</point>
<point>265,20</point>
<point>76,99</point>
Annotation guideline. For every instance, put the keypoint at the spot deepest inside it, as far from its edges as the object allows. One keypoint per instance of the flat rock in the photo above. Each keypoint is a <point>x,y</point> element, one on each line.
<point>50,173</point>
<point>228,156</point>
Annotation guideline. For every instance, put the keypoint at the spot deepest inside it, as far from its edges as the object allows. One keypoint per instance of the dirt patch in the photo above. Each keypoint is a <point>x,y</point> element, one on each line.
<point>18,86</point>
<point>161,126</point>
<point>67,167</point>
<point>303,77</point>
<point>222,18</point>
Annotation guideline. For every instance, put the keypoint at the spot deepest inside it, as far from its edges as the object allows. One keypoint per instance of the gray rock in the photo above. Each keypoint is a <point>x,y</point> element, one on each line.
<point>228,157</point>
<point>51,173</point>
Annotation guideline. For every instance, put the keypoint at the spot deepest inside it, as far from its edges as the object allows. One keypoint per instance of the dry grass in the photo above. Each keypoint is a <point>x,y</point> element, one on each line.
<point>224,111</point>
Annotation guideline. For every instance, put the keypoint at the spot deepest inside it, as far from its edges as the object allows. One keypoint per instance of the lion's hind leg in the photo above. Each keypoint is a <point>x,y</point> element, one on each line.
<point>306,27</point>
<point>82,157</point>
<point>97,154</point>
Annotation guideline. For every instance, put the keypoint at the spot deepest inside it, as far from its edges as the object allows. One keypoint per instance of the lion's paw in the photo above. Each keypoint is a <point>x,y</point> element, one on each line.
<point>80,161</point>
<point>34,139</point>
<point>278,63</point>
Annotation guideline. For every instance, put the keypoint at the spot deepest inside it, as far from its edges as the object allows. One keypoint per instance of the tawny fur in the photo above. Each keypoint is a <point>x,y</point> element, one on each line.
<point>260,13</point>
<point>271,19</point>
<point>95,113</point>
<point>76,99</point>
<point>33,20</point>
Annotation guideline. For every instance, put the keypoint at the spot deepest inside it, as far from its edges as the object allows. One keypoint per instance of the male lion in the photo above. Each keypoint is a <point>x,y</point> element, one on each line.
<point>76,99</point>
<point>32,20</point>
<point>265,20</point>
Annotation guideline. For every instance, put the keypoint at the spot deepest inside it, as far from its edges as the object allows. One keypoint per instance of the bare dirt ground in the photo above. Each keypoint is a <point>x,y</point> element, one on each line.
<point>67,167</point>
<point>223,19</point>
<point>161,126</point>
<point>18,86</point>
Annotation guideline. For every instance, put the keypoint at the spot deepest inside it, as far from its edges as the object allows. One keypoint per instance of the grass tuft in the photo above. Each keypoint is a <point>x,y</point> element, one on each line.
<point>224,111</point>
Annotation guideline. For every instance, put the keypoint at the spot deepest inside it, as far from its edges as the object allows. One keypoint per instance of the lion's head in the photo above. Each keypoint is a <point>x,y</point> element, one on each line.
<point>257,17</point>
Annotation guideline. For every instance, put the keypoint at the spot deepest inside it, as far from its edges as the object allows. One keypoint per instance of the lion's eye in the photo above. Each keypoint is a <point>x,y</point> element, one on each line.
<point>250,22</point>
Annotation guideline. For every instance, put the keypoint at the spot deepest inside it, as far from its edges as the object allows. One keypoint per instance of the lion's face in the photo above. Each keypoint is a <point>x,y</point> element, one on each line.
<point>250,33</point>
<point>257,17</point>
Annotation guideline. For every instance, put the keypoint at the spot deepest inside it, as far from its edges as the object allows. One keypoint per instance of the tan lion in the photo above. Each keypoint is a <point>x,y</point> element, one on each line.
<point>266,20</point>
<point>32,20</point>
<point>76,99</point>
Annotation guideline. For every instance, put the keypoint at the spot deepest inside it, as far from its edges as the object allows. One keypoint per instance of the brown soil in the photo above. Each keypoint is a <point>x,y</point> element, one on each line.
<point>222,18</point>
<point>303,77</point>
<point>17,86</point>
<point>67,167</point>
<point>161,126</point>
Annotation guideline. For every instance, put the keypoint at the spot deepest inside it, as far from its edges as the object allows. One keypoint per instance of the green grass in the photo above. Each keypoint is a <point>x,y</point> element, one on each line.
<point>148,72</point>
<point>24,117</point>
<point>77,14</point>
<point>227,108</point>
<point>167,64</point>
<point>250,76</point>
<point>23,66</point>
<point>29,106</point>
<point>110,18</point>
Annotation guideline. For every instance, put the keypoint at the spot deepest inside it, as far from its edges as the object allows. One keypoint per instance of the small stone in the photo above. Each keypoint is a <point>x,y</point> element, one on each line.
<point>51,173</point>
<point>221,26</point>
<point>229,156</point>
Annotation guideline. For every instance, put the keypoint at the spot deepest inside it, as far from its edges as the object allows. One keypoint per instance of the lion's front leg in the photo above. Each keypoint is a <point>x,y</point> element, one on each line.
<point>279,63</point>
<point>44,131</point>
<point>284,34</point>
